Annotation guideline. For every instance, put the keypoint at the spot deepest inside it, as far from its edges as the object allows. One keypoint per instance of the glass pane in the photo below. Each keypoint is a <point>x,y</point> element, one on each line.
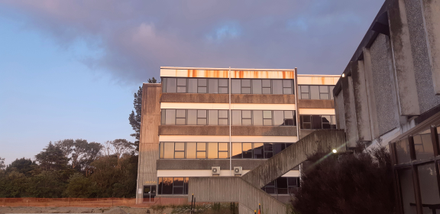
<point>428,185</point>
<point>202,82</point>
<point>160,185</point>
<point>245,83</point>
<point>324,97</point>
<point>247,150</point>
<point>288,118</point>
<point>178,182</point>
<point>267,114</point>
<point>246,113</point>
<point>180,121</point>
<point>258,118</point>
<point>270,190</point>
<point>278,147</point>
<point>304,96</point>
<point>304,88</point>
<point>168,151</point>
<point>213,86</point>
<point>277,87</point>
<point>192,86</point>
<point>236,86</point>
<point>178,190</point>
<point>291,181</point>
<point>266,83</point>
<point>316,122</point>
<point>212,150</point>
<point>402,151</point>
<point>201,121</point>
<point>161,150</point>
<point>213,117</point>
<point>438,133</point>
<point>236,150</point>
<point>278,118</point>
<point>164,85</point>
<point>223,113</point>
<point>267,122</point>
<point>282,182</point>
<point>258,150</point>
<point>331,91</point>
<point>201,154</point>
<point>268,154</point>
<point>406,185</point>
<point>266,90</point>
<point>223,82</point>
<point>171,85</point>
<point>223,146</point>
<point>170,116</point>
<point>181,82</point>
<point>223,122</point>
<point>201,146</point>
<point>223,155</point>
<point>201,113</point>
<point>191,150</point>
<point>323,89</point>
<point>287,83</point>
<point>179,146</point>
<point>223,90</point>
<point>423,145</point>
<point>246,122</point>
<point>202,90</point>
<point>306,118</point>
<point>162,119</point>
<point>287,90</point>
<point>179,155</point>
<point>268,147</point>
<point>167,186</point>
<point>236,117</point>
<point>180,113</point>
<point>245,90</point>
<point>256,87</point>
<point>314,92</point>
<point>192,117</point>
<point>185,185</point>
<point>326,119</point>
<point>181,89</point>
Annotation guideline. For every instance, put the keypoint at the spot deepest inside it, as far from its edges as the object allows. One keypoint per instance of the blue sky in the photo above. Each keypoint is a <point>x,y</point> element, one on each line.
<point>68,69</point>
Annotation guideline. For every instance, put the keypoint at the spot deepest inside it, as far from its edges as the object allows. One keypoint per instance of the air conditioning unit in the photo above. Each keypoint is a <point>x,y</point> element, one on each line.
<point>238,170</point>
<point>215,170</point>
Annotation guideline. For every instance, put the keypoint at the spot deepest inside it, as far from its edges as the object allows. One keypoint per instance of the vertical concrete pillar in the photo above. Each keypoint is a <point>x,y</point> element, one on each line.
<point>431,17</point>
<point>368,74</point>
<point>361,101</point>
<point>402,59</point>
<point>149,138</point>
<point>350,109</point>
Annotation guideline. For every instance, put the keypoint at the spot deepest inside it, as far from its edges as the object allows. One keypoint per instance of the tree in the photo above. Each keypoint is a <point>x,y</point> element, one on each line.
<point>347,183</point>
<point>2,164</point>
<point>135,116</point>
<point>52,158</point>
<point>47,184</point>
<point>80,153</point>
<point>22,165</point>
<point>80,187</point>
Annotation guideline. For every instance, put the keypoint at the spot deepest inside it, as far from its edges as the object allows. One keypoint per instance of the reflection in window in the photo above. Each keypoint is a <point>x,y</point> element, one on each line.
<point>428,185</point>
<point>267,118</point>
<point>213,86</point>
<point>191,150</point>
<point>247,150</point>
<point>402,151</point>
<point>423,145</point>
<point>282,185</point>
<point>181,85</point>
<point>258,150</point>
<point>201,150</point>
<point>236,151</point>
<point>406,186</point>
<point>212,151</point>
<point>318,121</point>
<point>173,186</point>
<point>316,92</point>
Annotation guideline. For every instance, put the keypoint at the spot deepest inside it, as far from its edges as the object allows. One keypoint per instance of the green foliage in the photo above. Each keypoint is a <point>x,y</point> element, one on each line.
<point>80,187</point>
<point>347,183</point>
<point>2,164</point>
<point>47,184</point>
<point>14,184</point>
<point>80,153</point>
<point>22,165</point>
<point>52,158</point>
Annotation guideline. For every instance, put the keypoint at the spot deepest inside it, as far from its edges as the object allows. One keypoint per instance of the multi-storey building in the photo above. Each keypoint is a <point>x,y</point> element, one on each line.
<point>201,122</point>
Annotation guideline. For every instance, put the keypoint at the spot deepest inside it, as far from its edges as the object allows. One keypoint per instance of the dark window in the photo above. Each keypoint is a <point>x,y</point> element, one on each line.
<point>258,150</point>
<point>316,122</point>
<point>247,150</point>
<point>278,147</point>
<point>167,184</point>
<point>289,118</point>
<point>170,186</point>
<point>268,150</point>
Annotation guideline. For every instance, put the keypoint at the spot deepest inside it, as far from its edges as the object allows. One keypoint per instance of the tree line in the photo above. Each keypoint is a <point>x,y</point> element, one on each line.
<point>73,168</point>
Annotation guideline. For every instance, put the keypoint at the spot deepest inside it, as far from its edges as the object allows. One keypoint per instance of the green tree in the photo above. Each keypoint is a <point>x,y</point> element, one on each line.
<point>22,165</point>
<point>80,153</point>
<point>13,185</point>
<point>47,184</point>
<point>80,186</point>
<point>2,164</point>
<point>135,116</point>
<point>52,158</point>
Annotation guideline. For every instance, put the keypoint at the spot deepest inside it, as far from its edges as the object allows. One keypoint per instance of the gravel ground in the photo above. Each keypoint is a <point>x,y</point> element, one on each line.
<point>106,210</point>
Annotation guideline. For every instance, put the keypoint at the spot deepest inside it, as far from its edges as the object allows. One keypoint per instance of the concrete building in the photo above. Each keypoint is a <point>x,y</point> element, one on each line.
<point>224,122</point>
<point>389,94</point>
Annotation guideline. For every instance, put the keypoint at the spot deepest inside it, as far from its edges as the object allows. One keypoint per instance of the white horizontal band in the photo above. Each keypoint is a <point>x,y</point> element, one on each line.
<point>316,111</point>
<point>238,106</point>
<point>317,80</point>
<point>225,138</point>
<point>208,173</point>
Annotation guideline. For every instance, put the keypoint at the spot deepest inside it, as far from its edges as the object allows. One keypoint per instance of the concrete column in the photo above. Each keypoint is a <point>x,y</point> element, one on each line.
<point>350,109</point>
<point>149,138</point>
<point>402,59</point>
<point>431,19</point>
<point>368,74</point>
<point>361,101</point>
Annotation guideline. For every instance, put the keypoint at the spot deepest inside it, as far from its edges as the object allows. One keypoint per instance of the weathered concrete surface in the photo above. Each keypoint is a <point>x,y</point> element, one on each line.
<point>374,126</point>
<point>148,143</point>
<point>170,164</point>
<point>431,16</point>
<point>316,104</point>
<point>234,189</point>
<point>223,98</point>
<point>350,109</point>
<point>361,101</point>
<point>403,59</point>
<point>281,163</point>
<point>224,130</point>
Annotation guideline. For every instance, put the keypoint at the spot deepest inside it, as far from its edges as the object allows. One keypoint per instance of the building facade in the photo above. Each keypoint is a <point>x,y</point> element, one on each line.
<point>203,122</point>
<point>389,95</point>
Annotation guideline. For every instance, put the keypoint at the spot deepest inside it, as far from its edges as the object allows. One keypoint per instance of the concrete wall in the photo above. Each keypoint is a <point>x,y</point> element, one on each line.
<point>149,138</point>
<point>234,189</point>
<point>223,98</point>
<point>292,156</point>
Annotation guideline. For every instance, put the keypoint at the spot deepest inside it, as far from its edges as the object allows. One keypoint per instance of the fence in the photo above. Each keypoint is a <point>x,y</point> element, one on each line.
<point>87,202</point>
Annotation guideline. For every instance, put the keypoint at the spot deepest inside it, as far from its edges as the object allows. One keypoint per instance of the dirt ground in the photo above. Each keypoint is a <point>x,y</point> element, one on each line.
<point>106,210</point>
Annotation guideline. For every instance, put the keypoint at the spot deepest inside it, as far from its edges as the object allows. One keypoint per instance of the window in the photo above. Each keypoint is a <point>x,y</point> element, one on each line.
<point>213,117</point>
<point>287,87</point>
<point>267,118</point>
<point>256,87</point>
<point>258,150</point>
<point>236,86</point>
<point>223,117</point>
<point>268,149</point>
<point>192,117</point>
<point>236,151</point>
<point>180,117</point>
<point>266,86</point>
<point>173,186</point>
<point>223,150</point>
<point>213,86</point>
<point>318,121</point>
<point>171,85</point>
<point>192,85</point>
<point>181,85</point>
<point>212,150</point>
<point>223,86</point>
<point>247,150</point>
<point>316,92</point>
<point>281,185</point>
<point>201,117</point>
<point>258,117</point>
<point>179,150</point>
<point>246,119</point>
<point>191,151</point>
<point>201,150</point>
<point>277,87</point>
<point>236,117</point>
<point>245,86</point>
<point>202,86</point>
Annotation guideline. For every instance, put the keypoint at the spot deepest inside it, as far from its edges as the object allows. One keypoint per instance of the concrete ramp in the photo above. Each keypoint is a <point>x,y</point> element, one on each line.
<point>318,141</point>
<point>246,190</point>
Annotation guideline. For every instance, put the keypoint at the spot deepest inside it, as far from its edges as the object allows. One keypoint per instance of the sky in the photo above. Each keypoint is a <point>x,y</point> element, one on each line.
<point>69,69</point>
